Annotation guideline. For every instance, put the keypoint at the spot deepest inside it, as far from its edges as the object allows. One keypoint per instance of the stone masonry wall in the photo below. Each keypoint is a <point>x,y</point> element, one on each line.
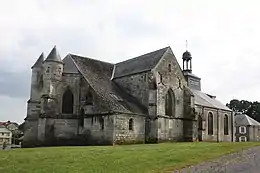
<point>169,75</point>
<point>122,133</point>
<point>98,130</point>
<point>218,124</point>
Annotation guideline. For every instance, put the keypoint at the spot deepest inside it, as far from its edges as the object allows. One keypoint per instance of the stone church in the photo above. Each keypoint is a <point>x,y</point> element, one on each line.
<point>147,99</point>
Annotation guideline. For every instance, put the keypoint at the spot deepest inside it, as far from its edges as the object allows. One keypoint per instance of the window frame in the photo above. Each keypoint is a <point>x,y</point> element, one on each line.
<point>210,131</point>
<point>170,67</point>
<point>226,125</point>
<point>64,107</point>
<point>240,129</point>
<point>170,103</point>
<point>131,124</point>
<point>244,139</point>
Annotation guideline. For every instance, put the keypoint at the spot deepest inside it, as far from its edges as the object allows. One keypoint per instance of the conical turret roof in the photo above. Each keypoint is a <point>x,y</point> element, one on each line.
<point>54,55</point>
<point>39,61</point>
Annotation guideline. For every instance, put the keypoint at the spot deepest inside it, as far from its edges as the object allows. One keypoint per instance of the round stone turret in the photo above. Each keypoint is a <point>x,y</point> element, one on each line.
<point>52,72</point>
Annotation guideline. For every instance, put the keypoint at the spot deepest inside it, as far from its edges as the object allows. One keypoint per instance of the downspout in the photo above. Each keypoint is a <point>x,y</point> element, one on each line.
<point>202,131</point>
<point>217,125</point>
<point>232,127</point>
<point>78,112</point>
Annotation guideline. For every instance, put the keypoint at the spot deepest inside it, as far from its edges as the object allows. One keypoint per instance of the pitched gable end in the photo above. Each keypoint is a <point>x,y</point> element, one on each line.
<point>69,66</point>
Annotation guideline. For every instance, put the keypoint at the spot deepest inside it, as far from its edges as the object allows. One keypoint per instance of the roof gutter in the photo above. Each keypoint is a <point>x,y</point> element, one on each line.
<point>213,108</point>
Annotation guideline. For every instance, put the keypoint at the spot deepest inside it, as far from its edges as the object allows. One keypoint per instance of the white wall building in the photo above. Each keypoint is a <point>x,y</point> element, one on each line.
<point>5,135</point>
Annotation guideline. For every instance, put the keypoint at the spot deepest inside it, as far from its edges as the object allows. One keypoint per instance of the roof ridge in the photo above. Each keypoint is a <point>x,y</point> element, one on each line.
<point>252,120</point>
<point>90,58</point>
<point>125,61</point>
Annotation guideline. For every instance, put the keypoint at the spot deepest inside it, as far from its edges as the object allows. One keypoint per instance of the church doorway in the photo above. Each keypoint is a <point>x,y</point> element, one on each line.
<point>200,128</point>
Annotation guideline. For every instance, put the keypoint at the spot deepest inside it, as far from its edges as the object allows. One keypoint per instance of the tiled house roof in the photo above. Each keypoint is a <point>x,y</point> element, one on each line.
<point>244,120</point>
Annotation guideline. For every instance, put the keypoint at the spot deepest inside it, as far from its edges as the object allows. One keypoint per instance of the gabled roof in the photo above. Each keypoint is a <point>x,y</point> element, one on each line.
<point>8,123</point>
<point>54,55</point>
<point>139,64</point>
<point>98,75</point>
<point>69,66</point>
<point>39,61</point>
<point>204,99</point>
<point>244,120</point>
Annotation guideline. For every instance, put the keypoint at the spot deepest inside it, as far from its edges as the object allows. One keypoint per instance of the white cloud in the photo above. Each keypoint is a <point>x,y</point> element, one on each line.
<point>222,35</point>
<point>12,109</point>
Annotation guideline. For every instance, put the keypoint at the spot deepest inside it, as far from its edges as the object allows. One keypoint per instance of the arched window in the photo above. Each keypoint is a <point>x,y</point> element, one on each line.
<point>101,121</point>
<point>81,118</point>
<point>131,124</point>
<point>200,125</point>
<point>170,103</point>
<point>152,85</point>
<point>89,99</point>
<point>169,67</point>
<point>67,102</point>
<point>48,70</point>
<point>210,123</point>
<point>225,125</point>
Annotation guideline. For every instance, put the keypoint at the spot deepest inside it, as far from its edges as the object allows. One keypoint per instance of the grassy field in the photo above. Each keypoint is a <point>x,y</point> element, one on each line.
<point>117,159</point>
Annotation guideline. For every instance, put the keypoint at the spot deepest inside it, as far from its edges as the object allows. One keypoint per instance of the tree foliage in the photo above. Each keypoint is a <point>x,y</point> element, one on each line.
<point>252,109</point>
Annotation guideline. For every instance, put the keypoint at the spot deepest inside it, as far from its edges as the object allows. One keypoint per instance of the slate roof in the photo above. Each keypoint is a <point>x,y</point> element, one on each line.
<point>245,120</point>
<point>186,73</point>
<point>54,55</point>
<point>98,75</point>
<point>39,61</point>
<point>69,66</point>
<point>139,64</point>
<point>204,99</point>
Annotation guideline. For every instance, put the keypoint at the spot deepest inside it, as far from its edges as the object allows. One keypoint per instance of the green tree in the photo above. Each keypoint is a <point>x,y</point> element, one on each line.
<point>252,109</point>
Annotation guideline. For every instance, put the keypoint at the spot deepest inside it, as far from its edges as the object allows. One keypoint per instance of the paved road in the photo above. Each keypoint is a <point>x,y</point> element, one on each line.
<point>247,161</point>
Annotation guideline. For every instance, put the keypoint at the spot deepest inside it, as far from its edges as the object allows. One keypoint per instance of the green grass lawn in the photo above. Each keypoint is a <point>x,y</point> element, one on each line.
<point>117,159</point>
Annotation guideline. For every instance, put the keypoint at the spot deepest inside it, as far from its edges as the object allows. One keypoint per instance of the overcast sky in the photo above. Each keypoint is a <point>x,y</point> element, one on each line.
<point>223,38</point>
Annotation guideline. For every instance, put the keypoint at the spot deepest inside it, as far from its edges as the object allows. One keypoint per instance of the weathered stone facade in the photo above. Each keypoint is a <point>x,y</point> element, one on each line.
<point>82,101</point>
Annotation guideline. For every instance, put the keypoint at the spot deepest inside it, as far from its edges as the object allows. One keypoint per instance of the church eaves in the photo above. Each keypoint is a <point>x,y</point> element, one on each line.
<point>39,61</point>
<point>54,56</point>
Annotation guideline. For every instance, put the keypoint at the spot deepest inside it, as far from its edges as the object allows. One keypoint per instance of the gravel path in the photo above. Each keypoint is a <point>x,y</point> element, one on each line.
<point>247,161</point>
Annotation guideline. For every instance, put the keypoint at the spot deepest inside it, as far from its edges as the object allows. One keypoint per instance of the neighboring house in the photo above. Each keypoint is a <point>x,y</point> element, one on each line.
<point>146,99</point>
<point>247,129</point>
<point>5,135</point>
<point>13,127</point>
